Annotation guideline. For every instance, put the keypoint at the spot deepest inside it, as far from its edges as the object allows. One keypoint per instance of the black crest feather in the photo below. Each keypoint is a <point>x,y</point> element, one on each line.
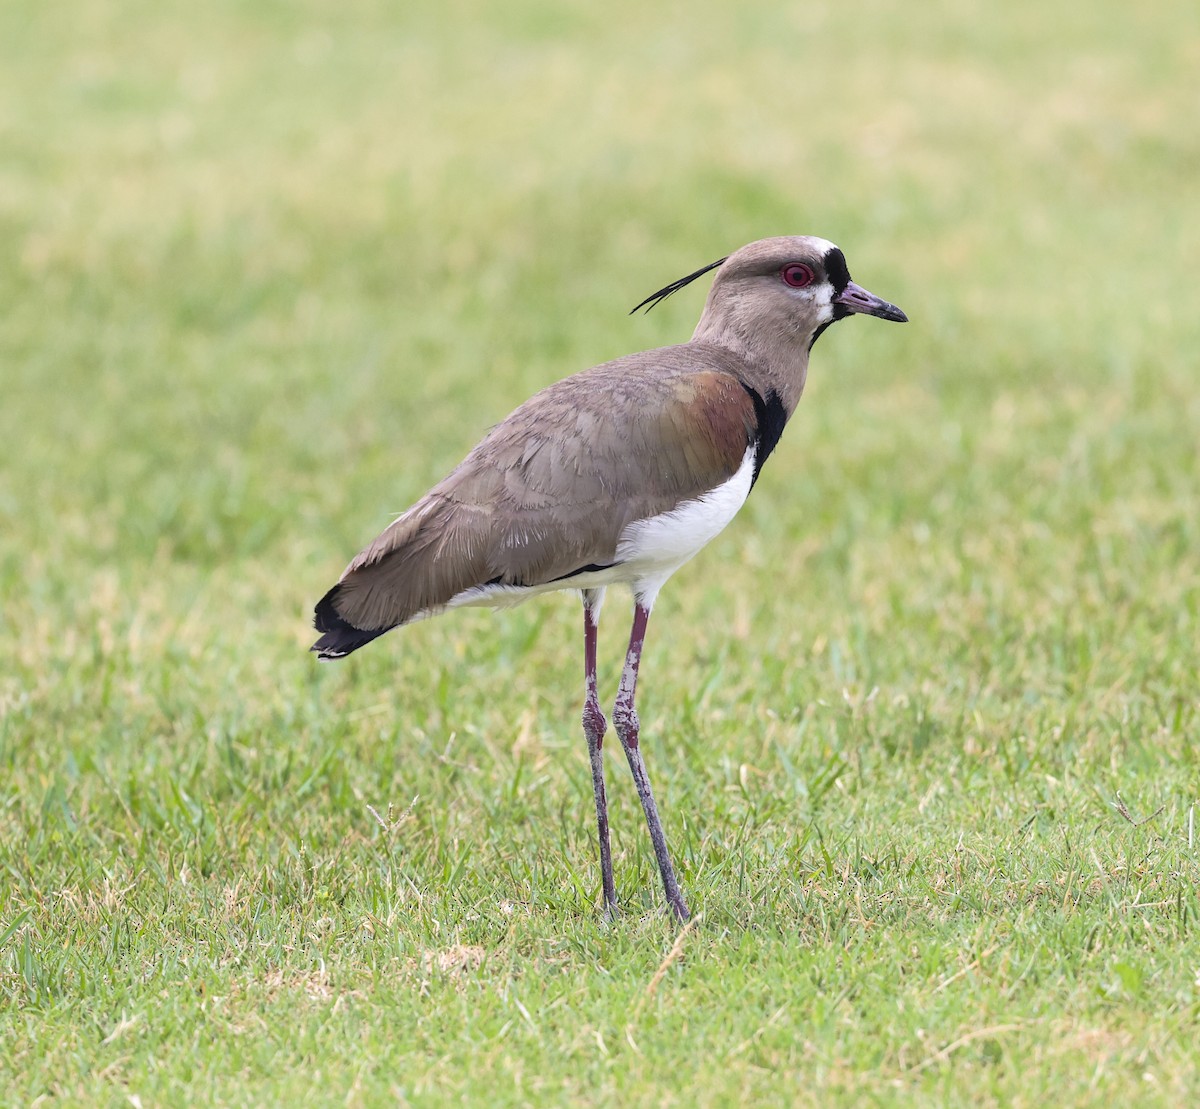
<point>675,286</point>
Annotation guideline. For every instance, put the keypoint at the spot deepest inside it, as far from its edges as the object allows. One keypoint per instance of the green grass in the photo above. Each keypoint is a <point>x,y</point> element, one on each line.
<point>268,270</point>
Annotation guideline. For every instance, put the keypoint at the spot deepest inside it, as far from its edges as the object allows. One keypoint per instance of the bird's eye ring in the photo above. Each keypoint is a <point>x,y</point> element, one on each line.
<point>797,275</point>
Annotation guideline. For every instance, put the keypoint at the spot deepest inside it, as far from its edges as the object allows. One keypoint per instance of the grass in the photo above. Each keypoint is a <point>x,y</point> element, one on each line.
<point>269,269</point>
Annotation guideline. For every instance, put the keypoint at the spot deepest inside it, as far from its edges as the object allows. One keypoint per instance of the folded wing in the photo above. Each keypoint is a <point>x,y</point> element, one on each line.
<point>549,490</point>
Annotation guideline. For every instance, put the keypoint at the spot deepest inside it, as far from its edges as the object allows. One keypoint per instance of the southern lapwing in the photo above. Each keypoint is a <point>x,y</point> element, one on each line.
<point>614,476</point>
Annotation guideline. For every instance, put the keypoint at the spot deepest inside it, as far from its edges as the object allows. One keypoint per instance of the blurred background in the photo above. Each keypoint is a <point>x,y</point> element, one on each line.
<point>269,269</point>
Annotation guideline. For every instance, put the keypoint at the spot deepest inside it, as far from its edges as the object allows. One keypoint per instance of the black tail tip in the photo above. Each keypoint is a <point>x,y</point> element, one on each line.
<point>339,637</point>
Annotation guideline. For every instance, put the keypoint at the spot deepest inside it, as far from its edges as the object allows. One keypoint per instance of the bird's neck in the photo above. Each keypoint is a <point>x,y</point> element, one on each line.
<point>770,360</point>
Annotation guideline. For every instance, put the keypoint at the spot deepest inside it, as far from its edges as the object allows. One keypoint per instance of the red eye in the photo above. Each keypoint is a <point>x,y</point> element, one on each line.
<point>797,274</point>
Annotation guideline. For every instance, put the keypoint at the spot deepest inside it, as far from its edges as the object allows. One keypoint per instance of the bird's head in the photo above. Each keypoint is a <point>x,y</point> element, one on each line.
<point>787,289</point>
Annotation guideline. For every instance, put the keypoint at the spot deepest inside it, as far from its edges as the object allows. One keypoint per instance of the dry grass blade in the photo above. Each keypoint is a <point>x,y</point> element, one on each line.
<point>962,1041</point>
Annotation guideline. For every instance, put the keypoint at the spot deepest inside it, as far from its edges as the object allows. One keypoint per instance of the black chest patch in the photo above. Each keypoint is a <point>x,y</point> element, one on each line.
<point>770,417</point>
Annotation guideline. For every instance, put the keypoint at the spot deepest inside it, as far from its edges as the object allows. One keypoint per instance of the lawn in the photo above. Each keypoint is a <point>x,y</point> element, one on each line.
<point>924,721</point>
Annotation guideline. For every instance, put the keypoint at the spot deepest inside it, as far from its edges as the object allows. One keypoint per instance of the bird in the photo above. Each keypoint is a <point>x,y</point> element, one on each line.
<point>616,475</point>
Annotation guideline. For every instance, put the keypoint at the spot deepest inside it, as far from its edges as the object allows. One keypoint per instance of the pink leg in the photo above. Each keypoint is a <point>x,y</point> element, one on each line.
<point>625,720</point>
<point>594,727</point>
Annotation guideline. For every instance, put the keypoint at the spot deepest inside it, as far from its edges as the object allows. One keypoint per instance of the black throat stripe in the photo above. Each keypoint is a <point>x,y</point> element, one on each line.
<point>770,417</point>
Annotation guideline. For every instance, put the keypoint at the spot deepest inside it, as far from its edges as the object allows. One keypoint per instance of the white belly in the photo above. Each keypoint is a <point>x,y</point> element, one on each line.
<point>651,550</point>
<point>648,551</point>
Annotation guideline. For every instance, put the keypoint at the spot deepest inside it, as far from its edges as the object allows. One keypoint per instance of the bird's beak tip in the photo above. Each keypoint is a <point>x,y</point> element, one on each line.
<point>855,298</point>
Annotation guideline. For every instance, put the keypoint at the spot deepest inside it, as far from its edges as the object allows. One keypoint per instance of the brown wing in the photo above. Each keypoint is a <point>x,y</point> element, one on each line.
<point>550,489</point>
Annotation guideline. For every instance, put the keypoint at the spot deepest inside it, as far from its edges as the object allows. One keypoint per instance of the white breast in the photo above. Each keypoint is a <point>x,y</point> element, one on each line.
<point>651,550</point>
